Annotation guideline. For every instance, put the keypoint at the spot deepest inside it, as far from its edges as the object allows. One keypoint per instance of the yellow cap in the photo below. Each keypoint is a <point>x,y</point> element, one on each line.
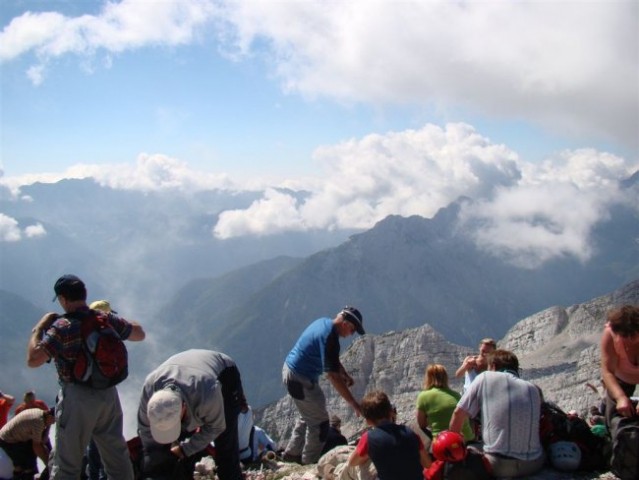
<point>102,305</point>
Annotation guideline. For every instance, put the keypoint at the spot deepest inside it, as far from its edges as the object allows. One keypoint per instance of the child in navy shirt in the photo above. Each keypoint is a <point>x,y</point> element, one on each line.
<point>395,450</point>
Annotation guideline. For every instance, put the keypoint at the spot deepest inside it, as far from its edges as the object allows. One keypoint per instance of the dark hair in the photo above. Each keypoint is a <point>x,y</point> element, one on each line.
<point>624,320</point>
<point>503,360</point>
<point>75,294</point>
<point>376,406</point>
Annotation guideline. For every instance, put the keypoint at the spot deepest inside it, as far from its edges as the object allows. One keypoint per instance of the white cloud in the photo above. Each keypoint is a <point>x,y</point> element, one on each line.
<point>36,74</point>
<point>9,229</point>
<point>529,225</point>
<point>554,208</point>
<point>275,213</point>
<point>524,212</point>
<point>30,31</point>
<point>151,172</point>
<point>122,26</point>
<point>567,66</point>
<point>156,172</point>
<point>34,231</point>
<point>586,168</point>
<point>415,172</point>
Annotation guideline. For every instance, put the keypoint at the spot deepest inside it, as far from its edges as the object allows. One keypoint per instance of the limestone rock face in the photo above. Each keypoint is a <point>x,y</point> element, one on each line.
<point>558,350</point>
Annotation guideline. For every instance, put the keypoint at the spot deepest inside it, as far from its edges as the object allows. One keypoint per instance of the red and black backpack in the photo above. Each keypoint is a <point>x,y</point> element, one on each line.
<point>103,359</point>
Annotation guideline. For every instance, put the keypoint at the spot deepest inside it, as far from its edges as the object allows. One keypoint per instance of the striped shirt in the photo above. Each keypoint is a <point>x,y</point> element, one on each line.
<point>510,409</point>
<point>24,427</point>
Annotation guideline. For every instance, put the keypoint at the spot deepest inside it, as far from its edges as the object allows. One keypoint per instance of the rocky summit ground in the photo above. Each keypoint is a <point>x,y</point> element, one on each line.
<point>292,471</point>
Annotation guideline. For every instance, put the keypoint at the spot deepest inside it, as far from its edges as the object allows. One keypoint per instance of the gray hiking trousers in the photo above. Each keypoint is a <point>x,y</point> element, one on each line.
<point>311,428</point>
<point>83,413</point>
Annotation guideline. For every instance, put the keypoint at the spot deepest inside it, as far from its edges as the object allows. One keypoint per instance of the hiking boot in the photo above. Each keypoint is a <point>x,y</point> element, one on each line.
<point>290,458</point>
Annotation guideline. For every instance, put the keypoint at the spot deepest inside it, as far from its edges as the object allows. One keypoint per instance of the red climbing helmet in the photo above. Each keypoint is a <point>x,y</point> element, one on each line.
<point>449,447</point>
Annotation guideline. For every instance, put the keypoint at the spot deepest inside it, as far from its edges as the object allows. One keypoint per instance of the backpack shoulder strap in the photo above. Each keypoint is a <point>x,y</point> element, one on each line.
<point>89,320</point>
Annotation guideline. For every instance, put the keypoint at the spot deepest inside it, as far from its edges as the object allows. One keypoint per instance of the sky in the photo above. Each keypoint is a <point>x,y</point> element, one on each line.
<point>375,107</point>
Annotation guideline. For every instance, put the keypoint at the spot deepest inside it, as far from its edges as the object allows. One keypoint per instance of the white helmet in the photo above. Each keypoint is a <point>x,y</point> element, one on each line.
<point>565,456</point>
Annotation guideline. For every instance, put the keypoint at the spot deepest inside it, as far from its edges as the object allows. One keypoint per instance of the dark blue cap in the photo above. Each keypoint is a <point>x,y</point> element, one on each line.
<point>68,284</point>
<point>352,315</point>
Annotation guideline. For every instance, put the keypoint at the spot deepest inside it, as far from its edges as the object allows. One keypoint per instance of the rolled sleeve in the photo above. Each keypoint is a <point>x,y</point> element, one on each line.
<point>212,424</point>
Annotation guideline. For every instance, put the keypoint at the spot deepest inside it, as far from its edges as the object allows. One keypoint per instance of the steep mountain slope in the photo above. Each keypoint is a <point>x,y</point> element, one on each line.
<point>132,245</point>
<point>202,299</point>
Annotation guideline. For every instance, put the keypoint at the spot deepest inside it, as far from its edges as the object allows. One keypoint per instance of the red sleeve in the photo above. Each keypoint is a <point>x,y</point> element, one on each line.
<point>435,471</point>
<point>362,446</point>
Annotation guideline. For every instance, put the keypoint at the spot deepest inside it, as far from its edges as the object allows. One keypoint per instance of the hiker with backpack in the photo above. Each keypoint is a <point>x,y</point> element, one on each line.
<point>190,400</point>
<point>88,404</point>
<point>620,374</point>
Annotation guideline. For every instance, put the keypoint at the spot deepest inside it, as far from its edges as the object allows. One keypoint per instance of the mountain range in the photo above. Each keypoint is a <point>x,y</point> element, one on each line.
<point>154,257</point>
<point>403,273</point>
<point>132,246</point>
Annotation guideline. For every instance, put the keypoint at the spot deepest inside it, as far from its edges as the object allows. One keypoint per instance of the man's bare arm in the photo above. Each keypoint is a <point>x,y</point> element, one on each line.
<point>457,420</point>
<point>137,332</point>
<point>340,385</point>
<point>36,355</point>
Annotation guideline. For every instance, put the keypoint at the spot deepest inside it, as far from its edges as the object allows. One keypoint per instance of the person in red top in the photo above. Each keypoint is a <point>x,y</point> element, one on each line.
<point>6,402</point>
<point>395,450</point>
<point>30,401</point>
